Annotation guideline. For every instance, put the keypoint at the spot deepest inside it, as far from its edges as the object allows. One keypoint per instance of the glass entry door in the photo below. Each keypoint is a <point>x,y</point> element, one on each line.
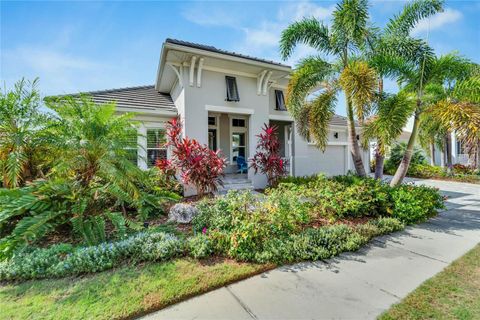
<point>238,145</point>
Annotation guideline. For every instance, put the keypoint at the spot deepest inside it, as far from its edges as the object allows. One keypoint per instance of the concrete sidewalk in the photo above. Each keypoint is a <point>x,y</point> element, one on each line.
<point>358,285</point>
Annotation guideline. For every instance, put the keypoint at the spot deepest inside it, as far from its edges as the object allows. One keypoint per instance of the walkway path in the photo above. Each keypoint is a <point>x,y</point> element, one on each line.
<point>358,285</point>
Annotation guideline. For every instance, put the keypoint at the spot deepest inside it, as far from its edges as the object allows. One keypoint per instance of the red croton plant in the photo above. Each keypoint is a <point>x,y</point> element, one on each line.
<point>196,163</point>
<point>267,158</point>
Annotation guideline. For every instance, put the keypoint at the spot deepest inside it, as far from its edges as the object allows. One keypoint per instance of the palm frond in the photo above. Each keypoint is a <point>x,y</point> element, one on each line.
<point>350,24</point>
<point>411,14</point>
<point>321,111</point>
<point>392,115</point>
<point>360,82</point>
<point>311,73</point>
<point>308,31</point>
<point>468,90</point>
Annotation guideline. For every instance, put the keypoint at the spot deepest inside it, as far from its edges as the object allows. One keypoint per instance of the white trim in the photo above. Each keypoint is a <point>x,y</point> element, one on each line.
<point>199,72</point>
<point>265,84</point>
<point>226,57</point>
<point>260,81</point>
<point>216,127</point>
<point>223,109</point>
<point>232,130</point>
<point>337,143</point>
<point>280,117</point>
<point>192,70</point>
<point>179,72</point>
<point>153,111</point>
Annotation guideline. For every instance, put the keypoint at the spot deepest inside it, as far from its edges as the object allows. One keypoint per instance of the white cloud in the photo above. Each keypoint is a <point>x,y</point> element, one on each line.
<point>439,20</point>
<point>262,39</point>
<point>59,71</point>
<point>208,14</point>
<point>300,10</point>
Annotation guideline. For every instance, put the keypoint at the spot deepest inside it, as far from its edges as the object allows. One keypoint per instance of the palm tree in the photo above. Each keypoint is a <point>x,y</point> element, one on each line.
<point>386,125</point>
<point>349,34</point>
<point>24,145</point>
<point>387,51</point>
<point>426,76</point>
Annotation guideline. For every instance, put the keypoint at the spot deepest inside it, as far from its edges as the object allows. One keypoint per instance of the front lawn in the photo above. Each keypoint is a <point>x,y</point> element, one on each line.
<point>451,294</point>
<point>120,293</point>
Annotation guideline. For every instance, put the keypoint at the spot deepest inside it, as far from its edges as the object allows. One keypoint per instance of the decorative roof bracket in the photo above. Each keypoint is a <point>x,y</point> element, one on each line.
<point>260,77</point>
<point>199,72</point>
<point>192,70</point>
<point>178,72</point>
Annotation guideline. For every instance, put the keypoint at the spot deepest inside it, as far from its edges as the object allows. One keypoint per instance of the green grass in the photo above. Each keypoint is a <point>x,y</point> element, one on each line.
<point>120,293</point>
<point>452,294</point>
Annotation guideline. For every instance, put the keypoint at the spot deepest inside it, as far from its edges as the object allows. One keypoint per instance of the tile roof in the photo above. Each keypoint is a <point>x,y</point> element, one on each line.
<point>214,49</point>
<point>142,97</point>
<point>338,120</point>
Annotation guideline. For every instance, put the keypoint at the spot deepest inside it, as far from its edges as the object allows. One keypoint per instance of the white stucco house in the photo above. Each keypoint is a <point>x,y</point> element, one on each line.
<point>223,99</point>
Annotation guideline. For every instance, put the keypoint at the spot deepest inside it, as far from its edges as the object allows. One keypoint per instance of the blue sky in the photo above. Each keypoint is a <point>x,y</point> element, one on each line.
<point>81,46</point>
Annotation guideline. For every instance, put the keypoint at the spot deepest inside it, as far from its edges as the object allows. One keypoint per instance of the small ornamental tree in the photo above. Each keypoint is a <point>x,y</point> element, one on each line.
<point>196,163</point>
<point>267,159</point>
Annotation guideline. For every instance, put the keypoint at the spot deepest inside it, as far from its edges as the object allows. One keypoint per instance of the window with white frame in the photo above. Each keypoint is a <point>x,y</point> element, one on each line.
<point>213,137</point>
<point>238,129</point>
<point>131,147</point>
<point>156,148</point>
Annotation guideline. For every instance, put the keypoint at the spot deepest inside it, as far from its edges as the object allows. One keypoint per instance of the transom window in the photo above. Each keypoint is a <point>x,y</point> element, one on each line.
<point>238,123</point>
<point>156,148</point>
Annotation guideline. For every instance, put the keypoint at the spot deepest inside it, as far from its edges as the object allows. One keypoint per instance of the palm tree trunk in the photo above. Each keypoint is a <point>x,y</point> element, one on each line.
<point>442,155</point>
<point>477,158</point>
<point>353,142</point>
<point>448,149</point>
<point>405,163</point>
<point>432,154</point>
<point>379,161</point>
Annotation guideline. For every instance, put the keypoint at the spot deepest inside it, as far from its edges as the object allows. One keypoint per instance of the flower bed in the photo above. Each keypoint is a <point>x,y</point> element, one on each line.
<point>301,219</point>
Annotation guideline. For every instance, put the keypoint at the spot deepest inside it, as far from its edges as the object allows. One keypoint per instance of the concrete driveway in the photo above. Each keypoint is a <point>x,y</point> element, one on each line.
<point>358,285</point>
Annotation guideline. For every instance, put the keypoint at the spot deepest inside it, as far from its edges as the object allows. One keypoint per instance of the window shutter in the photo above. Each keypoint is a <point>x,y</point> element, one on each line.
<point>280,100</point>
<point>232,89</point>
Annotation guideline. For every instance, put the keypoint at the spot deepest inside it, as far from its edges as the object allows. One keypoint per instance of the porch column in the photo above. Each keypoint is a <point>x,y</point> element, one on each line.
<point>454,148</point>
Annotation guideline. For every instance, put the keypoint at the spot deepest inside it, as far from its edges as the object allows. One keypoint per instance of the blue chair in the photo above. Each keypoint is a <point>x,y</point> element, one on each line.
<point>241,164</point>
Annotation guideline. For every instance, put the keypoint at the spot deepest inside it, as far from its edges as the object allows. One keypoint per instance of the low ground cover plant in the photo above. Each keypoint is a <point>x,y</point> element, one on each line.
<point>66,260</point>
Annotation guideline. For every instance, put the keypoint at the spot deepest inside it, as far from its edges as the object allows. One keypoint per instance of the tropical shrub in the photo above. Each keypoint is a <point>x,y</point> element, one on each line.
<point>196,163</point>
<point>267,158</point>
<point>343,196</point>
<point>91,184</point>
<point>396,155</point>
<point>26,149</point>
<point>64,260</point>
<point>412,204</point>
<point>240,223</point>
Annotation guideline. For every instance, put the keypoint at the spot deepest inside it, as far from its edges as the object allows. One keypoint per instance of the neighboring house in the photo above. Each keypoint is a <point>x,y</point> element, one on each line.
<point>459,154</point>
<point>223,99</point>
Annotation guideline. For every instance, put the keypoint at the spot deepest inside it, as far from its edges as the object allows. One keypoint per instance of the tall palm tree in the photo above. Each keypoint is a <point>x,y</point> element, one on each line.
<point>387,52</point>
<point>350,34</point>
<point>347,35</point>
